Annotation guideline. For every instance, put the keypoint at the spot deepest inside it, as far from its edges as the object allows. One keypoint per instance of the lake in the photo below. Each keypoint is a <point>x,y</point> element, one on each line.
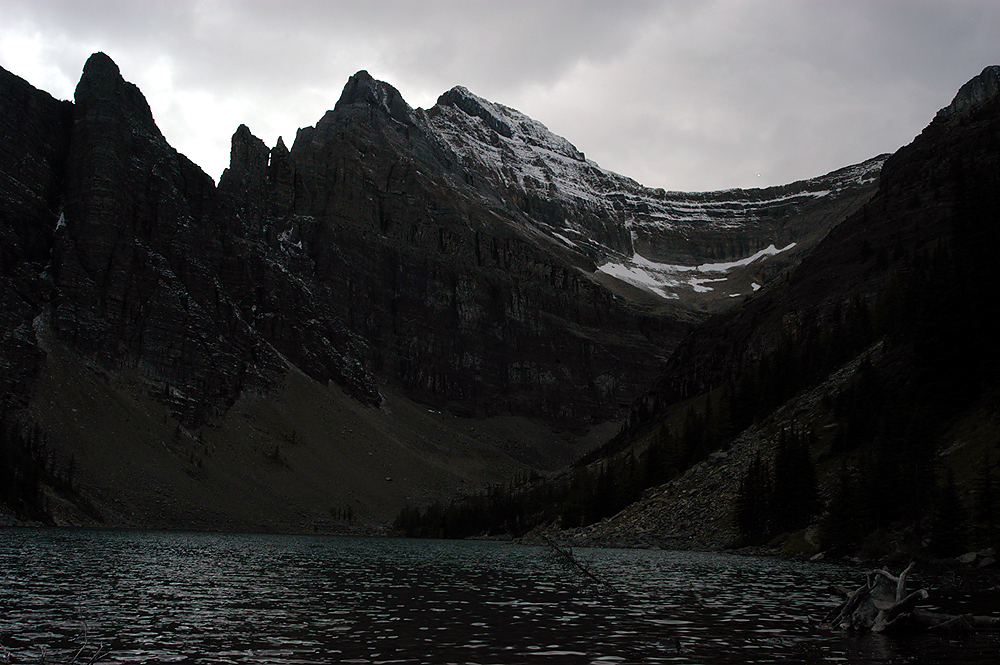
<point>166,597</point>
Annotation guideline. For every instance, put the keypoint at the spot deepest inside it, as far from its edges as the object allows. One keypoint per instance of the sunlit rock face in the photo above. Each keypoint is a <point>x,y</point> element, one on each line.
<point>464,254</point>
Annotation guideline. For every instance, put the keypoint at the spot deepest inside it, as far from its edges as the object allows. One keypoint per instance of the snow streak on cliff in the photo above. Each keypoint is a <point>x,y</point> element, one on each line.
<point>640,235</point>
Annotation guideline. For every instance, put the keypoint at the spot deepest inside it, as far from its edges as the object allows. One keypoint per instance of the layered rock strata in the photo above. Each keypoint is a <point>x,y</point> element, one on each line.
<point>453,252</point>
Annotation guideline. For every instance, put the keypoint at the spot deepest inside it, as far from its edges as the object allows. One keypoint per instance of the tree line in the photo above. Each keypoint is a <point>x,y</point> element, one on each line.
<point>779,497</point>
<point>27,467</point>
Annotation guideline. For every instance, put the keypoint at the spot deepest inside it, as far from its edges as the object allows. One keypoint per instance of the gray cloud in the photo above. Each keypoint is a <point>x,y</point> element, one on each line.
<point>683,95</point>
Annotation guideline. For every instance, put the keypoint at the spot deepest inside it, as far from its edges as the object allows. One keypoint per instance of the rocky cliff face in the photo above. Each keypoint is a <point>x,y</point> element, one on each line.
<point>485,232</point>
<point>463,255</point>
<point>154,268</point>
<point>36,131</point>
<point>975,93</point>
<point>455,297</point>
<point>130,284</point>
<point>453,251</point>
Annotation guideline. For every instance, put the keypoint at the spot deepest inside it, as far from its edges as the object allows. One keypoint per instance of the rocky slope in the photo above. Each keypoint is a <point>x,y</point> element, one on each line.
<point>461,257</point>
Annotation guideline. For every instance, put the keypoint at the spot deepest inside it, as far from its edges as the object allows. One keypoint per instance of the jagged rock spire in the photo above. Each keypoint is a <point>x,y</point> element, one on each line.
<point>102,84</point>
<point>363,89</point>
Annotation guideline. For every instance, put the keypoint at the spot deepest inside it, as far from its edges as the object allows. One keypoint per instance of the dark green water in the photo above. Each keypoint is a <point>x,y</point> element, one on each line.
<point>158,597</point>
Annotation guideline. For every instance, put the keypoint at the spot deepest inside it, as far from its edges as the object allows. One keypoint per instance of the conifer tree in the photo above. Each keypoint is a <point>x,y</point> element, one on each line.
<point>948,530</point>
<point>984,507</point>
<point>842,525</point>
<point>796,498</point>
<point>753,502</point>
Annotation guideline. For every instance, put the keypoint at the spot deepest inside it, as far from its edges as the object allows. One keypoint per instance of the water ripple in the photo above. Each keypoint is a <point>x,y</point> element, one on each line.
<point>223,598</point>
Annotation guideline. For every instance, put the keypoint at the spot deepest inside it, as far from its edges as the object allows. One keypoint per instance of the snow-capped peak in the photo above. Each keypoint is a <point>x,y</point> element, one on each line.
<point>508,122</point>
<point>610,218</point>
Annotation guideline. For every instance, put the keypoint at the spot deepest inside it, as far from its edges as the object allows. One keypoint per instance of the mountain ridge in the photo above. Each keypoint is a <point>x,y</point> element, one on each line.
<point>388,255</point>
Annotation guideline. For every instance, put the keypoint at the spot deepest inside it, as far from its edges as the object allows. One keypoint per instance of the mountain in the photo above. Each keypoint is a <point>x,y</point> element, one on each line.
<point>648,238</point>
<point>851,406</point>
<point>405,304</point>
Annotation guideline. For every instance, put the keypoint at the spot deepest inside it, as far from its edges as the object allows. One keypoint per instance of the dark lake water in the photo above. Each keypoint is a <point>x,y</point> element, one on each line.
<point>162,597</point>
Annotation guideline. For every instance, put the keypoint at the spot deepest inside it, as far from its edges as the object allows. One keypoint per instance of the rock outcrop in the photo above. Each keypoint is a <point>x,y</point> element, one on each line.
<point>132,261</point>
<point>978,90</point>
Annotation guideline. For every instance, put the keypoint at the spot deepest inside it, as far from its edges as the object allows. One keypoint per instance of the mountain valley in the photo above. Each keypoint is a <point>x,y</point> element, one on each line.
<point>412,305</point>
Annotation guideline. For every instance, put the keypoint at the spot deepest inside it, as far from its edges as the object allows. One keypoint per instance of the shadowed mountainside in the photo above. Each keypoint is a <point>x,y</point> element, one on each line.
<point>851,405</point>
<point>461,257</point>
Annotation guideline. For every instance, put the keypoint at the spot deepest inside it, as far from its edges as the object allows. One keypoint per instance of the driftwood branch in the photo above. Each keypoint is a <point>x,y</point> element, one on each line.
<point>900,581</point>
<point>567,556</point>
<point>951,622</point>
<point>79,658</point>
<point>882,605</point>
<point>898,612</point>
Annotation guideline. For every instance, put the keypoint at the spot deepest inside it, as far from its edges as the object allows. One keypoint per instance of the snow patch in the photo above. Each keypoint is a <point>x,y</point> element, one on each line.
<point>647,280</point>
<point>770,250</point>
<point>662,279</point>
<point>698,284</point>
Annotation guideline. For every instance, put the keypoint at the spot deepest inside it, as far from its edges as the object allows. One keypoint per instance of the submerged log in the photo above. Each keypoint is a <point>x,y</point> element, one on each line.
<point>882,605</point>
<point>567,556</point>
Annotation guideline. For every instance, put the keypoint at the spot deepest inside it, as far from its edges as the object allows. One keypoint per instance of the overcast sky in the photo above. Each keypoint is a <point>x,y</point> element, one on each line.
<point>682,95</point>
